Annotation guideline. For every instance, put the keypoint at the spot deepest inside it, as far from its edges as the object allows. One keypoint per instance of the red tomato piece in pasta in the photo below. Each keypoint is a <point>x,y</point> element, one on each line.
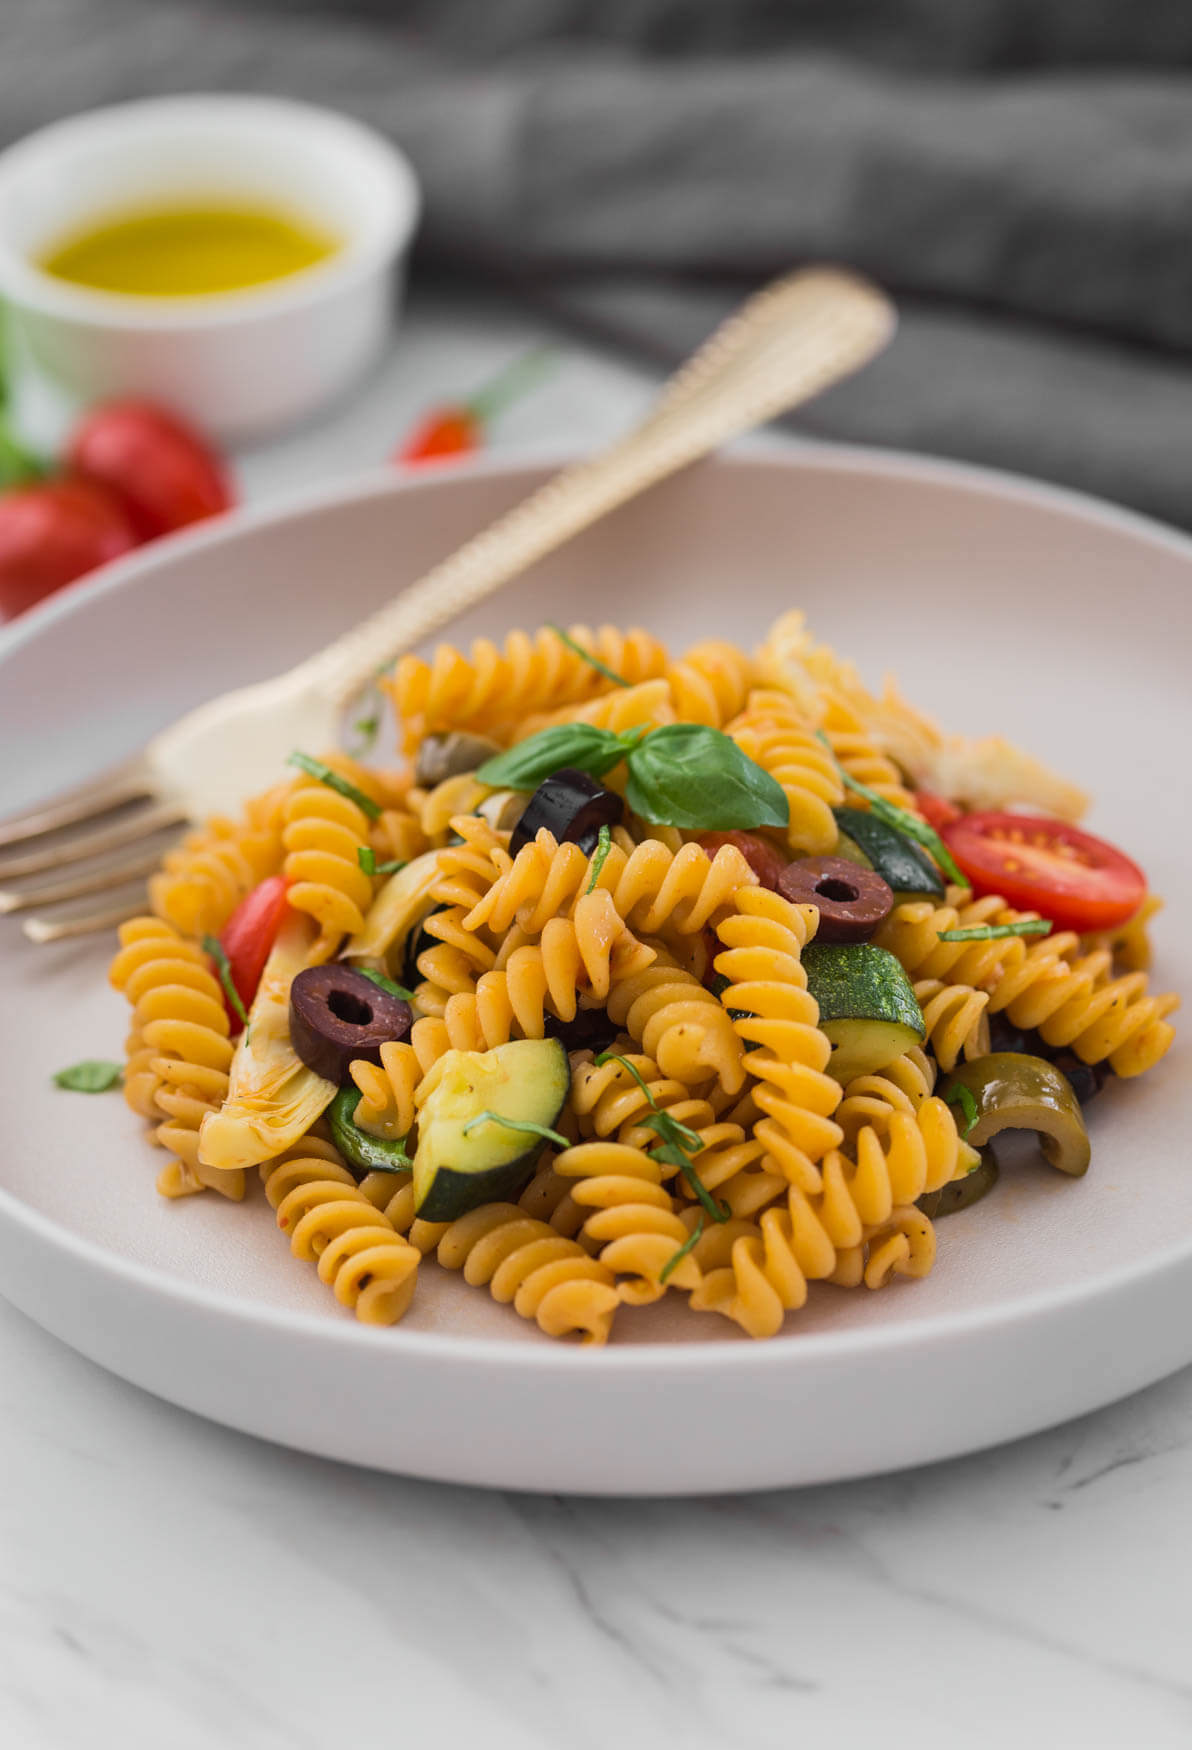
<point>1037,864</point>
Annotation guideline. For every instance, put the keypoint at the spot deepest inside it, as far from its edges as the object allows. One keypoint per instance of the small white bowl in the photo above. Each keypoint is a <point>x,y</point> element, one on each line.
<point>240,364</point>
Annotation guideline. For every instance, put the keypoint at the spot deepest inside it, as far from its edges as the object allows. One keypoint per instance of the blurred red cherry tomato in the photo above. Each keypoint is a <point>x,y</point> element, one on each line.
<point>163,472</point>
<point>937,811</point>
<point>248,937</point>
<point>766,862</point>
<point>448,431</point>
<point>51,533</point>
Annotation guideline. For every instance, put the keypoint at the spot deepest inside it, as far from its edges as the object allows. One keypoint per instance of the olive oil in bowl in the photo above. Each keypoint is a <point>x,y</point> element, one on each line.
<point>187,252</point>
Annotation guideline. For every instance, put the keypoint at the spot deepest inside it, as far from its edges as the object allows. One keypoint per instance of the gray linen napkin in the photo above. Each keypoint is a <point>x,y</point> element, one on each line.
<point>1017,172</point>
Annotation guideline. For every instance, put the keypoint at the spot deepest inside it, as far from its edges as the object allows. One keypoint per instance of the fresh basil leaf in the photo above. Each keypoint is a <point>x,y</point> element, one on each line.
<point>579,745</point>
<point>383,983</point>
<point>690,776</point>
<point>95,1075</point>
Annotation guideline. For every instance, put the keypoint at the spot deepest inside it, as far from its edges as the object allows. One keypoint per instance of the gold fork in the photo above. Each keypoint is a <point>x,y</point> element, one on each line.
<point>786,344</point>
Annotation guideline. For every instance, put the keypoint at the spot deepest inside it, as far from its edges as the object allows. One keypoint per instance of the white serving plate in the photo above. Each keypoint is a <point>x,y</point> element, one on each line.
<point>1004,607</point>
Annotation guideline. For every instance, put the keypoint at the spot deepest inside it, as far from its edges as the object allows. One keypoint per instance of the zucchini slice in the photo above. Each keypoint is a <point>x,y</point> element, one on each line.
<point>461,1163</point>
<point>867,1007</point>
<point>903,865</point>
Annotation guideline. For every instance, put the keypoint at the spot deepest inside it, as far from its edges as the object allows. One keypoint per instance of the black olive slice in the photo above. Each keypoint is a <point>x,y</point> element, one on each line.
<point>337,1015</point>
<point>591,1030</point>
<point>852,901</point>
<point>570,805</point>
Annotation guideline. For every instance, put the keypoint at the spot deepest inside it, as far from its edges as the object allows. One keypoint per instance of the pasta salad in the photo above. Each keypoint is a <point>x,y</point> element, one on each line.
<point>715,975</point>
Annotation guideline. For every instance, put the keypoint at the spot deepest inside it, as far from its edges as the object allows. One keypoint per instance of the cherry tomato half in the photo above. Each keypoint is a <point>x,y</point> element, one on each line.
<point>163,472</point>
<point>766,862</point>
<point>52,532</point>
<point>937,811</point>
<point>1077,881</point>
<point>447,432</point>
<point>248,937</point>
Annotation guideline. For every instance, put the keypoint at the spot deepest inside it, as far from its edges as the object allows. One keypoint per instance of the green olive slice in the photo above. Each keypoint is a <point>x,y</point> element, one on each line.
<point>1013,1091</point>
<point>961,1193</point>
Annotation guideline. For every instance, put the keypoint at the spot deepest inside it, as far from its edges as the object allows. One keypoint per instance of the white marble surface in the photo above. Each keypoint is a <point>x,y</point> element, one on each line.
<point>169,1585</point>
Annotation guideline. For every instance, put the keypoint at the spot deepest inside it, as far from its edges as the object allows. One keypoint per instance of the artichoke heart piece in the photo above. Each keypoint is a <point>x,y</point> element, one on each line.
<point>273,1098</point>
<point>401,903</point>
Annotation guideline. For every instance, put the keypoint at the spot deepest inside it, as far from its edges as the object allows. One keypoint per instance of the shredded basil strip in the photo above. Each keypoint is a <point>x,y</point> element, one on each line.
<point>604,844</point>
<point>610,674</point>
<point>320,770</point>
<point>94,1075</point>
<point>962,1097</point>
<point>367,859</point>
<point>905,822</point>
<point>676,1258</point>
<point>989,932</point>
<point>384,983</point>
<point>526,1124</point>
<point>214,947</point>
<point>677,1141</point>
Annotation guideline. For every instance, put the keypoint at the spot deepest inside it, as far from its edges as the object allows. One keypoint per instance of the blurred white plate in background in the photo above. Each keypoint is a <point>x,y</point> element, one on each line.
<point>1003,606</point>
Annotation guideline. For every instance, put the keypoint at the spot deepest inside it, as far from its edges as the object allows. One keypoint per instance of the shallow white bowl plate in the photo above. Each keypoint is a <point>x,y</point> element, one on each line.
<point>1004,607</point>
<point>240,363</point>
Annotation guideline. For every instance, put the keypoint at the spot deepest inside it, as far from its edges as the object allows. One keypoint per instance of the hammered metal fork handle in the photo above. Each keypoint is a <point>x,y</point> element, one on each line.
<point>784,346</point>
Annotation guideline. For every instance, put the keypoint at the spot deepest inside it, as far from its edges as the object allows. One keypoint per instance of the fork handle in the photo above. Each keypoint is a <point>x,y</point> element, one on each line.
<point>785,345</point>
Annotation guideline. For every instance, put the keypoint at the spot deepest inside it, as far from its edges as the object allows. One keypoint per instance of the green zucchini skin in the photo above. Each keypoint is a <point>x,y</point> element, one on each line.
<point>364,1153</point>
<point>457,1170</point>
<point>867,1007</point>
<point>903,865</point>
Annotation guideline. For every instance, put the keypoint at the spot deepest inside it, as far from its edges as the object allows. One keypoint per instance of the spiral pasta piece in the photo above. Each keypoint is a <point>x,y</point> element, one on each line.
<point>528,1263</point>
<point>710,683</point>
<point>202,880</point>
<point>857,750</point>
<point>901,1087</point>
<point>618,710</point>
<point>502,684</point>
<point>634,1220</point>
<point>861,1226</point>
<point>323,835</point>
<point>359,1254</point>
<point>767,987</point>
<point>387,1091</point>
<point>1070,996</point>
<point>1129,943</point>
<point>954,1019</point>
<point>579,956</point>
<point>679,1024</point>
<point>397,836</point>
<point>652,889</point>
<point>773,733</point>
<point>610,1103</point>
<point>179,1051</point>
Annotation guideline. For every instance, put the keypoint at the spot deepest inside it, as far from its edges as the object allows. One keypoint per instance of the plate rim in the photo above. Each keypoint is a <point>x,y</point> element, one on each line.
<point>818,1346</point>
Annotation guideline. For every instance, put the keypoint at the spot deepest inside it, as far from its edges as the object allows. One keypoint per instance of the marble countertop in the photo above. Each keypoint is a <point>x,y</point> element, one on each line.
<point>168,1585</point>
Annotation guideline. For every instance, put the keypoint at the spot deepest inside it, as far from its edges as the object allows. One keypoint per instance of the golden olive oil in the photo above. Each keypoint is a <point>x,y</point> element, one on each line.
<point>187,252</point>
